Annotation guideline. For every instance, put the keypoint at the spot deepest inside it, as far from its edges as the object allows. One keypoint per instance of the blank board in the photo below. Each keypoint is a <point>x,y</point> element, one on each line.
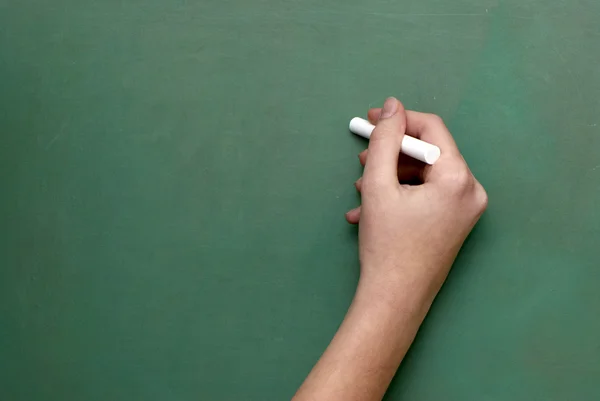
<point>175,176</point>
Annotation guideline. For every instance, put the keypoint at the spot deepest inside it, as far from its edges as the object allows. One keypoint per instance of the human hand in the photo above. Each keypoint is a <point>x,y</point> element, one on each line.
<point>409,235</point>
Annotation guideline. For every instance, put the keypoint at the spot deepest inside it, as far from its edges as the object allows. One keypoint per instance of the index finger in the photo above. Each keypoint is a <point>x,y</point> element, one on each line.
<point>431,128</point>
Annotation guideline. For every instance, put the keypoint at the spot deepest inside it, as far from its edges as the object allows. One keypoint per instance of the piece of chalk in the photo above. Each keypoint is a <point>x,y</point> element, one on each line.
<point>413,147</point>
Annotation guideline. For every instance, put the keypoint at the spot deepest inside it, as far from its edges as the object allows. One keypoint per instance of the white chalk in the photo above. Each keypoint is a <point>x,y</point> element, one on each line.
<point>413,147</point>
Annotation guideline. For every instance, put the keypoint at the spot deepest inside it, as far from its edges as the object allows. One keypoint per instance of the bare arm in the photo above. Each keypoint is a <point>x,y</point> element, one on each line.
<point>409,236</point>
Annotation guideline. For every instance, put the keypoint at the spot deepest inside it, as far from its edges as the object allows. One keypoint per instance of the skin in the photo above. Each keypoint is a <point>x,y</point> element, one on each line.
<point>413,220</point>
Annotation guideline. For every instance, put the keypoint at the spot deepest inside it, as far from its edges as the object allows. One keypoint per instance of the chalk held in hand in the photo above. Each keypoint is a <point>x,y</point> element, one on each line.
<point>413,147</point>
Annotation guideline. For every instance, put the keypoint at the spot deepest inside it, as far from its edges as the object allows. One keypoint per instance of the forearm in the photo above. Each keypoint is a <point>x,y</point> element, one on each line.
<point>366,351</point>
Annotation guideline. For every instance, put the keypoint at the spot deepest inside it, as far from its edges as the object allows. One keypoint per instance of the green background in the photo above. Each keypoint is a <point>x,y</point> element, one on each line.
<point>174,178</point>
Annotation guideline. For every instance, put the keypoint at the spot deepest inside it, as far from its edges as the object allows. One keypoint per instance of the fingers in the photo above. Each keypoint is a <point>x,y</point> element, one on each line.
<point>358,184</point>
<point>430,128</point>
<point>353,216</point>
<point>373,115</point>
<point>425,126</point>
<point>385,165</point>
<point>410,171</point>
<point>362,157</point>
<point>384,146</point>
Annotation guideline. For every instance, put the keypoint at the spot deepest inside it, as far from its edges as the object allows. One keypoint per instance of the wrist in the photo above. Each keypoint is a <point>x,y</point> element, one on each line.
<point>409,293</point>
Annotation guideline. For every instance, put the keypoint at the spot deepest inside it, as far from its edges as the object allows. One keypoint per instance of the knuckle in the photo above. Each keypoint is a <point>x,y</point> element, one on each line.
<point>463,187</point>
<point>460,180</point>
<point>380,135</point>
<point>481,198</point>
<point>369,186</point>
<point>373,185</point>
<point>383,137</point>
<point>358,184</point>
<point>434,119</point>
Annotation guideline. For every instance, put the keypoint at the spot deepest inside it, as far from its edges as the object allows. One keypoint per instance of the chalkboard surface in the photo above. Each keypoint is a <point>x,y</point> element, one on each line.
<point>175,174</point>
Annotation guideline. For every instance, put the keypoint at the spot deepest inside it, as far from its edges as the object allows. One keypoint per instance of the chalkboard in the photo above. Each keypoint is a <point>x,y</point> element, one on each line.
<point>175,175</point>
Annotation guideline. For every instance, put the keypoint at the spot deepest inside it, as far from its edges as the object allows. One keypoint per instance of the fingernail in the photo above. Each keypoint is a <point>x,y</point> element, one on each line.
<point>390,107</point>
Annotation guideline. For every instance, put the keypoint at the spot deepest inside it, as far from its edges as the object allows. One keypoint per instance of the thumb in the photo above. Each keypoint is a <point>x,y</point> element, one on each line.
<point>385,144</point>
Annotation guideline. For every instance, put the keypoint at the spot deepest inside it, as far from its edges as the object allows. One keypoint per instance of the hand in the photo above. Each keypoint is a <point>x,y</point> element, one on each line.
<point>409,236</point>
<point>412,233</point>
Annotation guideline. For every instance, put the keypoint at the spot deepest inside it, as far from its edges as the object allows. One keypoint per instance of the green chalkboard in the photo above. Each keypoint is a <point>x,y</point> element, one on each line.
<point>175,174</point>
